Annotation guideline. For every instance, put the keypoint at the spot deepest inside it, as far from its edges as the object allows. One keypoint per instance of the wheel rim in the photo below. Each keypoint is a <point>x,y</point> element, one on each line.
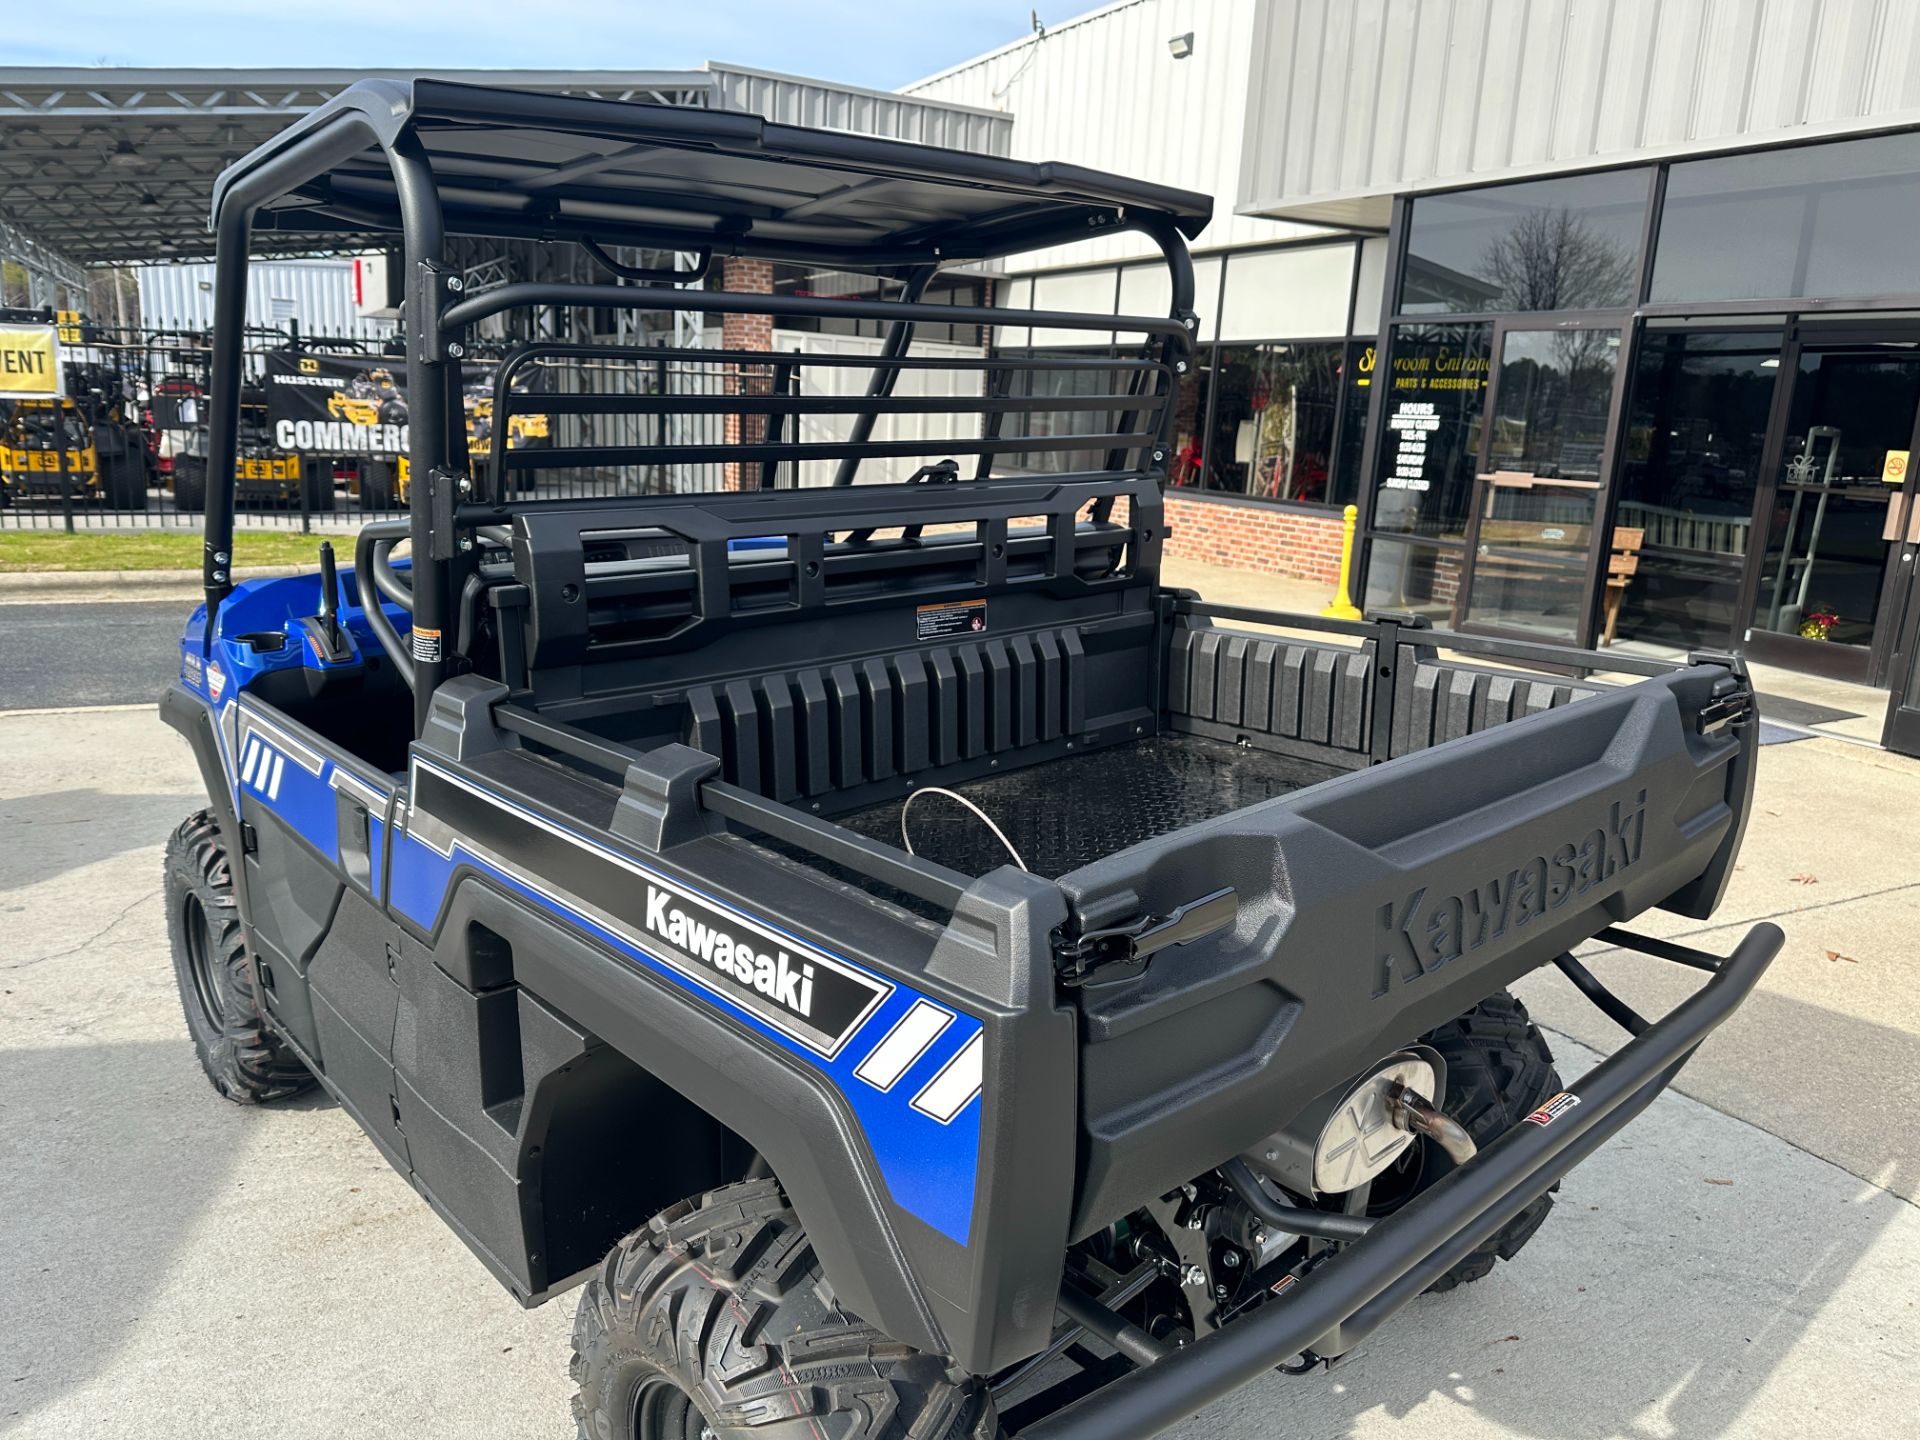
<point>200,959</point>
<point>663,1411</point>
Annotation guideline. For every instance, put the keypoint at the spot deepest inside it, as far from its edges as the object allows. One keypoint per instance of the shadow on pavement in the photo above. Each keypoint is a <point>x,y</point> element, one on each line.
<point>1680,1270</point>
<point>108,1163</point>
<point>51,833</point>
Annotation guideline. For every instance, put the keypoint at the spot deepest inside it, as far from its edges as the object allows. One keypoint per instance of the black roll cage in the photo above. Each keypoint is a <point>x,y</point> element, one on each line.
<point>996,207</point>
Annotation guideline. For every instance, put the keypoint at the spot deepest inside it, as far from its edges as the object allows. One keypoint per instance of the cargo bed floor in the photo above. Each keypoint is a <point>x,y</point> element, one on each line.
<point>1065,813</point>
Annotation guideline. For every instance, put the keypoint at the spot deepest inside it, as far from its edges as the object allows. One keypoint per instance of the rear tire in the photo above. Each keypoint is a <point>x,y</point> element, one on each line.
<point>219,986</point>
<point>1499,1070</point>
<point>124,480</point>
<point>715,1321</point>
<point>316,482</point>
<point>377,485</point>
<point>189,484</point>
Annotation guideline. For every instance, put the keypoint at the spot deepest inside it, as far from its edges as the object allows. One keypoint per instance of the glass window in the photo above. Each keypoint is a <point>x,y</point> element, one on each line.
<point>1090,292</point>
<point>1148,290</point>
<point>851,285</point>
<point>1371,288</point>
<point>1090,378</point>
<point>1564,244</point>
<point>1189,416</point>
<point>1696,427</point>
<point>1414,575</point>
<point>1430,445</point>
<point>1356,378</point>
<point>1281,294</point>
<point>1813,220</point>
<point>1273,420</point>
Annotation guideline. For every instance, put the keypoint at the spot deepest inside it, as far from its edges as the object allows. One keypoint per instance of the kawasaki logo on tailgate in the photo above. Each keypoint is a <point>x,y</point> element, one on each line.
<point>1420,933</point>
<point>798,991</point>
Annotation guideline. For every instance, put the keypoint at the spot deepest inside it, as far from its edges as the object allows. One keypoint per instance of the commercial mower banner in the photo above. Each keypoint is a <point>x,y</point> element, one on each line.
<point>30,363</point>
<point>323,404</point>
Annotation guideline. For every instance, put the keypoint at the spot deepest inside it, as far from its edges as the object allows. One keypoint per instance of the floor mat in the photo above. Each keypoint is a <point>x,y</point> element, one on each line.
<point>1800,712</point>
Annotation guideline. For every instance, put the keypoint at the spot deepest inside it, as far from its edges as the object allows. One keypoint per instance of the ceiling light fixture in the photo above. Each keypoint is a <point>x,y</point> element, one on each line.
<point>125,157</point>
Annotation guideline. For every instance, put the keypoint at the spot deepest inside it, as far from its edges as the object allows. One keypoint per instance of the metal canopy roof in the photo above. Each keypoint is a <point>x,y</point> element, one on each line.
<point>111,166</point>
<point>516,164</point>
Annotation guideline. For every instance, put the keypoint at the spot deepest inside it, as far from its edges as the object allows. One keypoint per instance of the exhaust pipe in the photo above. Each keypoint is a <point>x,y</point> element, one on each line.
<point>1415,1113</point>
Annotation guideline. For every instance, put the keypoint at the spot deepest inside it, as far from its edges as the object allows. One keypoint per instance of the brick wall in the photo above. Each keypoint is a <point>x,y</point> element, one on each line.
<point>746,332</point>
<point>1254,537</point>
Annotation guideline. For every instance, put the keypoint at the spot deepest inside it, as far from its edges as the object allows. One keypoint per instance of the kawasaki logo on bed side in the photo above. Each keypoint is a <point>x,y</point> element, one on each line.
<point>1419,935</point>
<point>797,991</point>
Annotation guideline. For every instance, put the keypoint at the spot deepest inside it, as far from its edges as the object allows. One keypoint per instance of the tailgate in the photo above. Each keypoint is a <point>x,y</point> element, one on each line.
<point>1375,906</point>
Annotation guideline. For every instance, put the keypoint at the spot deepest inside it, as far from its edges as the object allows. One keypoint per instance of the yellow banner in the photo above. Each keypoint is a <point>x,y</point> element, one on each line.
<point>30,363</point>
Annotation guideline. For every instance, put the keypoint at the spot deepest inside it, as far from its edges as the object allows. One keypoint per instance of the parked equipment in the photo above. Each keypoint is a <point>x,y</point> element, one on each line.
<point>1167,1041</point>
<point>94,423</point>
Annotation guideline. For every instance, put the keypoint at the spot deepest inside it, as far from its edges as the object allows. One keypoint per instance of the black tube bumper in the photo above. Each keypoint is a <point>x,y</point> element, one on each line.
<point>1346,1299</point>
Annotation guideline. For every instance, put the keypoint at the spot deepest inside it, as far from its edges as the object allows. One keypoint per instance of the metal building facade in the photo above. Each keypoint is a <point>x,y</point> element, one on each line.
<point>317,295</point>
<point>923,119</point>
<point>1358,99</point>
<point>1105,91</point>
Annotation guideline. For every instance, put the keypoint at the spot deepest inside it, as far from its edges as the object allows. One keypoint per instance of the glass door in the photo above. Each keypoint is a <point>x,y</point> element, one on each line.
<point>1531,540</point>
<point>1903,713</point>
<point>1830,519</point>
<point>1693,450</point>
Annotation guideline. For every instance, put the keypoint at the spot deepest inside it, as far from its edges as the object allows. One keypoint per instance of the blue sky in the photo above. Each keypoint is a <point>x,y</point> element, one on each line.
<point>859,42</point>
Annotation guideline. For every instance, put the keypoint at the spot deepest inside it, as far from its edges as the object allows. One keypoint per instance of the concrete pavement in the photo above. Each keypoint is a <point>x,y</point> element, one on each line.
<point>174,1266</point>
<point>75,651</point>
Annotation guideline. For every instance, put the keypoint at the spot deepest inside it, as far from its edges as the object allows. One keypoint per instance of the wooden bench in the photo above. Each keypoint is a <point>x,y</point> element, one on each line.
<point>1623,563</point>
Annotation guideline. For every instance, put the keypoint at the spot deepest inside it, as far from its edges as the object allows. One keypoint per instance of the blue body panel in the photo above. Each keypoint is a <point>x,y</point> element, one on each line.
<point>929,1165</point>
<point>929,1161</point>
<point>220,666</point>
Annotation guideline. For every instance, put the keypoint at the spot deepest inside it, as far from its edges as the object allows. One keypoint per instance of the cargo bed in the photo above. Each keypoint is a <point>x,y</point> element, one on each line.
<point>1065,813</point>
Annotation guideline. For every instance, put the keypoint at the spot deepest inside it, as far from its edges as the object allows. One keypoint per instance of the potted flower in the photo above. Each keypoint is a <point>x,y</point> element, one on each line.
<point>1818,623</point>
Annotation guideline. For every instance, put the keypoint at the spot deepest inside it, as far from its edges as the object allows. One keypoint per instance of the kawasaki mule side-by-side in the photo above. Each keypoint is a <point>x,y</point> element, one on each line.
<point>925,976</point>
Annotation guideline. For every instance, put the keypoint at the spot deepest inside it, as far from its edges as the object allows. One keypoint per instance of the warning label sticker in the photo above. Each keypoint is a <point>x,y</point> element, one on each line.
<point>958,617</point>
<point>1553,1108</point>
<point>426,645</point>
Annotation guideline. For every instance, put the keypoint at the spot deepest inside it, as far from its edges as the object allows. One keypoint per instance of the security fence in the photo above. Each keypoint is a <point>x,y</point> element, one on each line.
<point>323,429</point>
<point>323,426</point>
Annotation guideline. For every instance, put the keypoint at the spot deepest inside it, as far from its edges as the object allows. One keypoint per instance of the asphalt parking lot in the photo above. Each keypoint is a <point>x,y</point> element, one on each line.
<point>1743,1263</point>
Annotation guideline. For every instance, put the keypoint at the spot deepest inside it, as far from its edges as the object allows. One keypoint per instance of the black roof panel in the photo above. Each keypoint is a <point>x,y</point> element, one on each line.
<point>523,164</point>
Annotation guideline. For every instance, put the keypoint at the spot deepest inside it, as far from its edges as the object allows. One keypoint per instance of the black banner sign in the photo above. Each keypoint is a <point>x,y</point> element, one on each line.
<point>327,404</point>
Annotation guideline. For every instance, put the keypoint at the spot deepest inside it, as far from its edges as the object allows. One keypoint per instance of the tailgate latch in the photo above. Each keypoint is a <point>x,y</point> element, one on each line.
<point>1730,707</point>
<point>1120,952</point>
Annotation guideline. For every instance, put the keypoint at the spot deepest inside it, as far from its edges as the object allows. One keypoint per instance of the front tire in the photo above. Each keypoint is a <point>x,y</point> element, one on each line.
<point>715,1321</point>
<point>219,987</point>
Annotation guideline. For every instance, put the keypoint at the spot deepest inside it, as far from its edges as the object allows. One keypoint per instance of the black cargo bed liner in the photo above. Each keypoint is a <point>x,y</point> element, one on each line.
<point>1069,812</point>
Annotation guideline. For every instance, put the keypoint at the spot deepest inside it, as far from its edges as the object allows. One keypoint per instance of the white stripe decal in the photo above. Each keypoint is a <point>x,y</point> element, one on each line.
<point>303,755</point>
<point>948,1092</point>
<point>249,760</point>
<point>904,1044</point>
<point>273,785</point>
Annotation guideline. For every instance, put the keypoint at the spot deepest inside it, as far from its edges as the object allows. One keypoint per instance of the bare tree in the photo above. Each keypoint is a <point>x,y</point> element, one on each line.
<point>113,297</point>
<point>1554,260</point>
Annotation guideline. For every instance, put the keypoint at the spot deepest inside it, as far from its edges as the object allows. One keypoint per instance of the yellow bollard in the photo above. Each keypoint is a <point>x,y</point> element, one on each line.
<point>1343,607</point>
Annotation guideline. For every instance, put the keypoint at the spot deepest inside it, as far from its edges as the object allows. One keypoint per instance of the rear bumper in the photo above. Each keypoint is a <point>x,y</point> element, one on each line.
<point>1347,1298</point>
